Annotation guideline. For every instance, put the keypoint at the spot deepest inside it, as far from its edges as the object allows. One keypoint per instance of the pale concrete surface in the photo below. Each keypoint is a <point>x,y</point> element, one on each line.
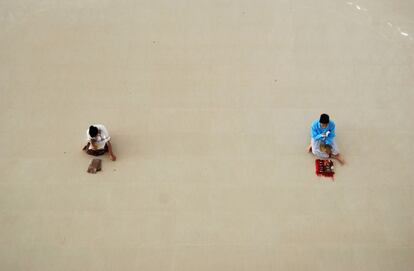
<point>209,105</point>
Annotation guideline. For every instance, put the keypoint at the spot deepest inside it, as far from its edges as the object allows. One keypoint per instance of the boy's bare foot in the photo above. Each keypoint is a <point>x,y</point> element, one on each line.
<point>340,159</point>
<point>309,148</point>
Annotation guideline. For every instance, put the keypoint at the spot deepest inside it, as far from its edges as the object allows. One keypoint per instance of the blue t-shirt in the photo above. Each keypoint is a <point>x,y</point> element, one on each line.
<point>317,131</point>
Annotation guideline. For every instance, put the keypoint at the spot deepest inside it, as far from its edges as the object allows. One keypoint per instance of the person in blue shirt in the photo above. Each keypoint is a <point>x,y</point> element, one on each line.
<point>322,139</point>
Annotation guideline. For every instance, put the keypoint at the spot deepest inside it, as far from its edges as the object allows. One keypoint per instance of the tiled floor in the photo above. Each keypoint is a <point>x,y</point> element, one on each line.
<point>208,104</point>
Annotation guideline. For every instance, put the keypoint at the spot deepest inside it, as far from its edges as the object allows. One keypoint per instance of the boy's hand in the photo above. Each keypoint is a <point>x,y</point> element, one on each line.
<point>112,157</point>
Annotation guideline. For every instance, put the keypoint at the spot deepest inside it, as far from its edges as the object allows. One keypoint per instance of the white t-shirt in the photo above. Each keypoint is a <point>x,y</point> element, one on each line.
<point>101,138</point>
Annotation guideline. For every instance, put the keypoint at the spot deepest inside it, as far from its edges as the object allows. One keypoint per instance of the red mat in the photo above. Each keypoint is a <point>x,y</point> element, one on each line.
<point>324,168</point>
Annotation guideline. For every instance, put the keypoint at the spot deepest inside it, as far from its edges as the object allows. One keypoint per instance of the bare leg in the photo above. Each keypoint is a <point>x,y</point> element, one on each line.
<point>309,148</point>
<point>111,154</point>
<point>339,158</point>
<point>86,146</point>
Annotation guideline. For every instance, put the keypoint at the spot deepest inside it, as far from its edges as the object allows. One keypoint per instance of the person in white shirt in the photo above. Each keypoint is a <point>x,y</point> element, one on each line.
<point>98,141</point>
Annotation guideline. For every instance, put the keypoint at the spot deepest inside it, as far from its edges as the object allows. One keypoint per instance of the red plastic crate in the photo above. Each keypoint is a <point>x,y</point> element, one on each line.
<point>324,168</point>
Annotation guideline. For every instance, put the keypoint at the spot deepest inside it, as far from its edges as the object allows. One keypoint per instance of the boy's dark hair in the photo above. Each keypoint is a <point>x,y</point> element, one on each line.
<point>93,131</point>
<point>324,119</point>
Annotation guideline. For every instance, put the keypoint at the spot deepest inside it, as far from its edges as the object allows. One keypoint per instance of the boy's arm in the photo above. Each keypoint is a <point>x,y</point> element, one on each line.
<point>88,138</point>
<point>331,135</point>
<point>314,133</point>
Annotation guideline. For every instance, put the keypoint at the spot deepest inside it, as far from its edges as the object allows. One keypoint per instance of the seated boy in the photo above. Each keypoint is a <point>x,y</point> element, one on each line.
<point>322,139</point>
<point>98,141</point>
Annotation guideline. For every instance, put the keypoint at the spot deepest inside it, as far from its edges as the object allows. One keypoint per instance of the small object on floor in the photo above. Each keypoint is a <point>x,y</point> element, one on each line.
<point>95,166</point>
<point>324,168</point>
